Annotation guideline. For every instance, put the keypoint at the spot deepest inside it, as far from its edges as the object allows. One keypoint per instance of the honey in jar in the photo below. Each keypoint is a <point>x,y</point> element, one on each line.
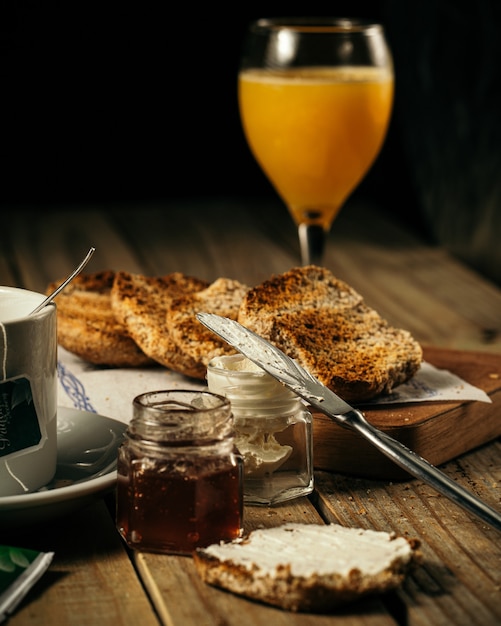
<point>179,481</point>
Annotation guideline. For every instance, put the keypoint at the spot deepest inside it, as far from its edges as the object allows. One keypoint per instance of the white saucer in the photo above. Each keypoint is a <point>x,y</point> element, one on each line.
<point>87,445</point>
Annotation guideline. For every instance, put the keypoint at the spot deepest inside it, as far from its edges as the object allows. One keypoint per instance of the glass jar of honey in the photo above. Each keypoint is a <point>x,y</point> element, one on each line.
<point>273,430</point>
<point>179,483</point>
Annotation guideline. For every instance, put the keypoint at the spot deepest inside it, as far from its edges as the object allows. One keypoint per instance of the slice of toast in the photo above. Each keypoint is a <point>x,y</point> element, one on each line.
<point>223,297</point>
<point>308,567</point>
<point>324,325</point>
<point>87,326</point>
<point>141,304</point>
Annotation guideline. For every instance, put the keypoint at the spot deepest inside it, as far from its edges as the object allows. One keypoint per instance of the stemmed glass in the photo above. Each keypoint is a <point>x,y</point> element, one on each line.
<point>315,98</point>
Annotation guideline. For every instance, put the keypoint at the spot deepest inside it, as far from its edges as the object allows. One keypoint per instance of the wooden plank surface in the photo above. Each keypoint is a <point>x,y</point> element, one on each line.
<point>202,604</point>
<point>91,579</point>
<point>459,581</point>
<point>249,241</point>
<point>414,284</point>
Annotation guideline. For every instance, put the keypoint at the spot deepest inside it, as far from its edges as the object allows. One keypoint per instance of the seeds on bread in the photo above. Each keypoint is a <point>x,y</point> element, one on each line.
<point>141,304</point>
<point>325,325</point>
<point>222,297</point>
<point>308,567</point>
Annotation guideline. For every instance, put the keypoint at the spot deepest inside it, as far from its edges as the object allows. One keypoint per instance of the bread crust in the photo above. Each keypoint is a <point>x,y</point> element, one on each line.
<point>87,326</point>
<point>99,344</point>
<point>326,326</point>
<point>141,304</point>
<point>222,297</point>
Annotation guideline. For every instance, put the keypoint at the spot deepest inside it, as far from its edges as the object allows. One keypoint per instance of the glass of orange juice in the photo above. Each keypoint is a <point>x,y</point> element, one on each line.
<point>315,98</point>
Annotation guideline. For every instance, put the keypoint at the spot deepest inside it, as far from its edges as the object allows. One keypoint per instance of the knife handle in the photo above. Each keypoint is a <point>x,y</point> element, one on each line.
<point>420,468</point>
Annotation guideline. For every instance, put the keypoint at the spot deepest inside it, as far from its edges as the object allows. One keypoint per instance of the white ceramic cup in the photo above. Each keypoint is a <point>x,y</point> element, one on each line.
<point>28,392</point>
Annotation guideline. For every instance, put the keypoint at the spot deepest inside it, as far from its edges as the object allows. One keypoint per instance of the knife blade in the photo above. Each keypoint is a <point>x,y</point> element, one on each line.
<point>286,370</point>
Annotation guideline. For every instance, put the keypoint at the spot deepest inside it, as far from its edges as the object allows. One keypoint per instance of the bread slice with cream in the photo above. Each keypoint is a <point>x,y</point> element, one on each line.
<point>308,567</point>
<point>325,325</point>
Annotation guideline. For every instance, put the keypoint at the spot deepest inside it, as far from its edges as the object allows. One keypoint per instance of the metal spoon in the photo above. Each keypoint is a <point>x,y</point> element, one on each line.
<point>63,284</point>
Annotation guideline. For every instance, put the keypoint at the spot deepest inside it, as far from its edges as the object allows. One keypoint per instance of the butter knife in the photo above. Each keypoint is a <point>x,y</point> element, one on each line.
<point>299,380</point>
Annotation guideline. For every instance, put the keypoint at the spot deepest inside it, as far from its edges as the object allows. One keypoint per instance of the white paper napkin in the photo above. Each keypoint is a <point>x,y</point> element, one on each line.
<point>110,391</point>
<point>436,385</point>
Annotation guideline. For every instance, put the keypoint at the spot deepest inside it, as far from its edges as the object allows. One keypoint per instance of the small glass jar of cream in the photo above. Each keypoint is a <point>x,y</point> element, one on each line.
<point>273,430</point>
<point>179,473</point>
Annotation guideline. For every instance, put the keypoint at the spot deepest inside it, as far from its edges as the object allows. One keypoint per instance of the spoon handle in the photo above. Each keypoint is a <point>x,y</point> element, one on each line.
<point>63,284</point>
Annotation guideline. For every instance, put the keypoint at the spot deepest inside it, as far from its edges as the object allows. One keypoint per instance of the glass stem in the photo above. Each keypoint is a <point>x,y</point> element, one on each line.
<point>312,242</point>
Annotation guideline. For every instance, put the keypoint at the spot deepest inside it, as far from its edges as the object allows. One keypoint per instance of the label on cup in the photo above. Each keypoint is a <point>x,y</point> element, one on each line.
<point>19,424</point>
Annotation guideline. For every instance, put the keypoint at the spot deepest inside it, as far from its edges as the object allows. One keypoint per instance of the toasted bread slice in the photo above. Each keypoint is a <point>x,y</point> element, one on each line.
<point>99,343</point>
<point>222,297</point>
<point>87,326</point>
<point>324,325</point>
<point>141,304</point>
<point>308,567</point>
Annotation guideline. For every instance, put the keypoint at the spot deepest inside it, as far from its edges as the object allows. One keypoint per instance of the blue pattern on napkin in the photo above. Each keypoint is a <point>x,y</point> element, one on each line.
<point>74,389</point>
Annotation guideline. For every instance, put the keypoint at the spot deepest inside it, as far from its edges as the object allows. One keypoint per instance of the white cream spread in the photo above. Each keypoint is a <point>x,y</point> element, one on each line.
<point>262,454</point>
<point>310,549</point>
<point>258,402</point>
<point>236,363</point>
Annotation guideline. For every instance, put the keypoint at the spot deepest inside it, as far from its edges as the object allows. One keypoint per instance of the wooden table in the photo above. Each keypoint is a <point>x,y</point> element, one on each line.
<point>415,285</point>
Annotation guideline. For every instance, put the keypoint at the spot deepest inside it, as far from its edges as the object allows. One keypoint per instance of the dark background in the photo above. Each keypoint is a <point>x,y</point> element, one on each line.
<point>127,103</point>
<point>105,103</point>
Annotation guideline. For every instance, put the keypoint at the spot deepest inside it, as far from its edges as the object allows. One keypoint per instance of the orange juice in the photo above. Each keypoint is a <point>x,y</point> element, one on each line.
<point>315,132</point>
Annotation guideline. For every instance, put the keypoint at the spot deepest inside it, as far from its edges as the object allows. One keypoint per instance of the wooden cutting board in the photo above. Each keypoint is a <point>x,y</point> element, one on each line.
<point>437,431</point>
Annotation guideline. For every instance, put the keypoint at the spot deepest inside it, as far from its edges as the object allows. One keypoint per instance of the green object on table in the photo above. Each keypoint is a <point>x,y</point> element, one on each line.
<point>20,569</point>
